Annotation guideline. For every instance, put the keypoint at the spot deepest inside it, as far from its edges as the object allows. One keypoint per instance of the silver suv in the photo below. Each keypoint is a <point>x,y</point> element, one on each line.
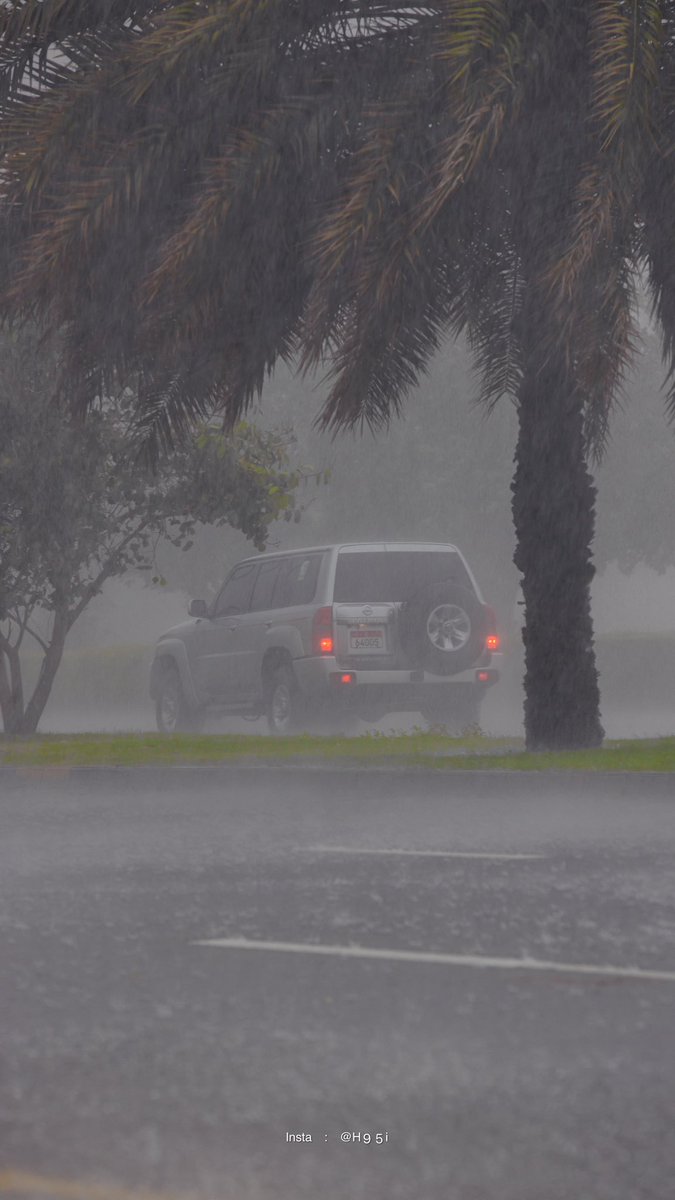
<point>307,636</point>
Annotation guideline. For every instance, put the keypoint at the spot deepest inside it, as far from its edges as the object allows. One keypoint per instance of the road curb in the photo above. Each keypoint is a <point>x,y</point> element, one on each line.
<point>475,780</point>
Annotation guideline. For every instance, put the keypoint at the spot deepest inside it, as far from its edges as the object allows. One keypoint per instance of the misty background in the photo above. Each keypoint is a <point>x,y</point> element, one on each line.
<point>442,472</point>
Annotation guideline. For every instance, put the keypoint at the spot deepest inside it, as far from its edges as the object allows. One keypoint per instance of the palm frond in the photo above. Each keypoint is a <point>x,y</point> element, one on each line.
<point>167,412</point>
<point>658,253</point>
<point>39,38</point>
<point>606,343</point>
<point>469,34</point>
<point>494,306</point>
<point>383,343</point>
<point>626,41</point>
<point>261,166</point>
<point>214,185</point>
<point>625,49</point>
<point>366,231</point>
<point>484,52</point>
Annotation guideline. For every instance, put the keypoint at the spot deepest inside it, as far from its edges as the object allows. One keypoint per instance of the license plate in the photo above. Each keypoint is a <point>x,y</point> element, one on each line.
<point>366,641</point>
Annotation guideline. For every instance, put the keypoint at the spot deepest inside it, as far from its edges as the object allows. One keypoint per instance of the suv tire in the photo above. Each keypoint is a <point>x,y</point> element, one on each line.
<point>443,629</point>
<point>172,710</point>
<point>283,702</point>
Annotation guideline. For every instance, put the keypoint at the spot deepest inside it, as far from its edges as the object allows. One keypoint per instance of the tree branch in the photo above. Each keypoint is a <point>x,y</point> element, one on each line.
<point>38,639</point>
<point>107,570</point>
<point>21,621</point>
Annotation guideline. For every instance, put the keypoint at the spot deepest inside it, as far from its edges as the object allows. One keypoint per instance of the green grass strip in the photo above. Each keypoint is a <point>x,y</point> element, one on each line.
<point>414,749</point>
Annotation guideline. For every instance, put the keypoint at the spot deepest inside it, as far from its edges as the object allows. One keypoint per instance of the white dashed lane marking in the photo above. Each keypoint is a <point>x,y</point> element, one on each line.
<point>420,853</point>
<point>447,960</point>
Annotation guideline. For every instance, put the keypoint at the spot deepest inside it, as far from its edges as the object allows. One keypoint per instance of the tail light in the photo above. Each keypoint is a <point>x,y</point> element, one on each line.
<point>493,640</point>
<point>322,631</point>
<point>487,676</point>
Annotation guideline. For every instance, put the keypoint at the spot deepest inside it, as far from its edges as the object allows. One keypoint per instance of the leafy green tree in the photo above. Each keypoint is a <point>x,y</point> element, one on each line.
<point>76,508</point>
<point>195,191</point>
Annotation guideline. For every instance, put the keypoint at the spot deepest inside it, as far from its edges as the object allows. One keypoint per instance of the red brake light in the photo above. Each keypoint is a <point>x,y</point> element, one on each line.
<point>322,631</point>
<point>493,641</point>
<point>487,676</point>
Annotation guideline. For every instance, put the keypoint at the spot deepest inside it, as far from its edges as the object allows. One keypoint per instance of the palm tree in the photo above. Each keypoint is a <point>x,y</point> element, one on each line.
<point>195,190</point>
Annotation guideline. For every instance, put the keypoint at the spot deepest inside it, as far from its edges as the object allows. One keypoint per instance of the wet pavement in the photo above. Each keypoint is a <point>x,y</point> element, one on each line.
<point>197,964</point>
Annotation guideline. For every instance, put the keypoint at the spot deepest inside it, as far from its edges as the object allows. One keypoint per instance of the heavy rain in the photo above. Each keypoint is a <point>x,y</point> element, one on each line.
<point>337,562</point>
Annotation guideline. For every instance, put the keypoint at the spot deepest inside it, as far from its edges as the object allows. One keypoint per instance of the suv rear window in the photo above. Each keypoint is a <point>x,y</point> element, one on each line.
<point>395,575</point>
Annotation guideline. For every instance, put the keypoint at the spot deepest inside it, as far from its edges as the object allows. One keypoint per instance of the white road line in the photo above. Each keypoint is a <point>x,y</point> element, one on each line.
<point>449,960</point>
<point>418,853</point>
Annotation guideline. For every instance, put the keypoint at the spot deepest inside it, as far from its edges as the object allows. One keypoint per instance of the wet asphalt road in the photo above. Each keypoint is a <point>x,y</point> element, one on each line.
<point>135,1057</point>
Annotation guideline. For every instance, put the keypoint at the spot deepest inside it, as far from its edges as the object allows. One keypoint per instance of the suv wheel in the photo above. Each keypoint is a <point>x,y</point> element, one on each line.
<point>172,710</point>
<point>283,702</point>
<point>443,630</point>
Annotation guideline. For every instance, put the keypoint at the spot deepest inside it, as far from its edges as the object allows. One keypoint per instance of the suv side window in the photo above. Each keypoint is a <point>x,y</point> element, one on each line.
<point>296,584</point>
<point>235,594</point>
<point>263,591</point>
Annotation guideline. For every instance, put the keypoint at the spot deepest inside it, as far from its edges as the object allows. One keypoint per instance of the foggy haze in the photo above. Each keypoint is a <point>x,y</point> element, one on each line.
<point>393,487</point>
<point>308,970</point>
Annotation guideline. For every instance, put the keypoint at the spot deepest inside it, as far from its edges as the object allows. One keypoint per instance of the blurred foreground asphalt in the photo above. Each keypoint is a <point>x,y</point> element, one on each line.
<point>513,1036</point>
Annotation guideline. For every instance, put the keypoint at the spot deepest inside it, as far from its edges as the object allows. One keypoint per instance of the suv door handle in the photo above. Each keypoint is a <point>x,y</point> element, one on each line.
<point>232,628</point>
<point>268,624</point>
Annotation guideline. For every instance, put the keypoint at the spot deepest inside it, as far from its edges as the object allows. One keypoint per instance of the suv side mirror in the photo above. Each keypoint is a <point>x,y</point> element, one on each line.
<point>197,608</point>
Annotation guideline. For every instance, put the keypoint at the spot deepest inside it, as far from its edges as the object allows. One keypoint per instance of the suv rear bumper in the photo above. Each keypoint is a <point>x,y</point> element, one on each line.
<point>318,676</point>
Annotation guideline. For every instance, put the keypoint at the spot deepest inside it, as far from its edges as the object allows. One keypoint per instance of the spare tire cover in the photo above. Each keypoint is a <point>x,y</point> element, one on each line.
<point>443,629</point>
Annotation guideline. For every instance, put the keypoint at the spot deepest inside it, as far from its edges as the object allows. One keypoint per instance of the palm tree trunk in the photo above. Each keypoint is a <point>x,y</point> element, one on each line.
<point>554,517</point>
